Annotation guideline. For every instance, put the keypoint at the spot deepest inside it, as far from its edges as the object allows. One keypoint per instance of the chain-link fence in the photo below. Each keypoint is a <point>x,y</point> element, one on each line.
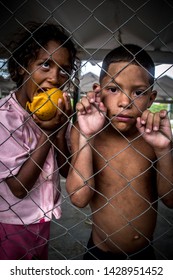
<point>95,27</point>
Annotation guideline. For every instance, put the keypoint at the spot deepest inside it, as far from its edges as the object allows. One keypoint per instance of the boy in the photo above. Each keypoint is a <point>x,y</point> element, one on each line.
<point>33,152</point>
<point>122,157</point>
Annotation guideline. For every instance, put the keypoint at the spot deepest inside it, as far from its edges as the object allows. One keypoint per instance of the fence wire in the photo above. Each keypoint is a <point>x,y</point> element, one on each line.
<point>70,233</point>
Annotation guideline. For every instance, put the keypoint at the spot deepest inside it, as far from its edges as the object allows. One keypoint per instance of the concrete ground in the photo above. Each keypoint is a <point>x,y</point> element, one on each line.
<point>69,235</point>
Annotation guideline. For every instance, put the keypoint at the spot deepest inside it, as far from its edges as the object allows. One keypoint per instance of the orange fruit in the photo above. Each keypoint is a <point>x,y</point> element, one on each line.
<point>44,105</point>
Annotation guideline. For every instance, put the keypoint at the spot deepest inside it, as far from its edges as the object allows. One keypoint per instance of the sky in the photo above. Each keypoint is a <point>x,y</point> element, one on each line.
<point>160,70</point>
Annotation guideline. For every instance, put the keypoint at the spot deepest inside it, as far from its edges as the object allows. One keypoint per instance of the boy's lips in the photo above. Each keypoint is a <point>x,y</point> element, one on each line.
<point>122,117</point>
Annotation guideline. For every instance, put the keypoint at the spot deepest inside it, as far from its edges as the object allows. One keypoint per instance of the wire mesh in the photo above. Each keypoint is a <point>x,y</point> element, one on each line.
<point>95,27</point>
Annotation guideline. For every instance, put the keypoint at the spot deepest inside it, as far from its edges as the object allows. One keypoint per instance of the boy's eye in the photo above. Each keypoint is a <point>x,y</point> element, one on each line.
<point>112,89</point>
<point>139,92</point>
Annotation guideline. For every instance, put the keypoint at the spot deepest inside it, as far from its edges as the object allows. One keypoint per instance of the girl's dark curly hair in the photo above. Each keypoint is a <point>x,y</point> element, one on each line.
<point>35,37</point>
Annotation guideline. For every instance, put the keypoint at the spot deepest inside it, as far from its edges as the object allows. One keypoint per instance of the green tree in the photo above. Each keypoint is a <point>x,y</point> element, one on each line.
<point>158,106</point>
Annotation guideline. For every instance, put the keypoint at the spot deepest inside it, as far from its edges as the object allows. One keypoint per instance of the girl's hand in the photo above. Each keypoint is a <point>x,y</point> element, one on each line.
<point>61,119</point>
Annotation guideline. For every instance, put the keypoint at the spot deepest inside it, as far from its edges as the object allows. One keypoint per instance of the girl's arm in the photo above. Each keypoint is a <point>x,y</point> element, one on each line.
<point>28,174</point>
<point>23,182</point>
<point>62,148</point>
<point>61,140</point>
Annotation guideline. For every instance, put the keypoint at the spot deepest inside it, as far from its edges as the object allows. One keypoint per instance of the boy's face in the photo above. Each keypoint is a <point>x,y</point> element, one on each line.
<point>126,93</point>
<point>48,70</point>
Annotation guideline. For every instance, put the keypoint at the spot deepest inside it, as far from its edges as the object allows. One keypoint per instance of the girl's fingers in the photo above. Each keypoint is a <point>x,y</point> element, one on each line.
<point>67,100</point>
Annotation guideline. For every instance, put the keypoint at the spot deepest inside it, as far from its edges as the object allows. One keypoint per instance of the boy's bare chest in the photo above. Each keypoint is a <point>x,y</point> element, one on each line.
<point>122,160</point>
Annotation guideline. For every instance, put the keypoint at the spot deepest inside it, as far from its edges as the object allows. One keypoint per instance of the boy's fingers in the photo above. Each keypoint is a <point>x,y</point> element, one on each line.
<point>94,96</point>
<point>144,117</point>
<point>156,122</point>
<point>151,120</point>
<point>91,95</point>
<point>83,106</point>
<point>149,123</point>
<point>163,114</point>
<point>97,89</point>
<point>79,106</point>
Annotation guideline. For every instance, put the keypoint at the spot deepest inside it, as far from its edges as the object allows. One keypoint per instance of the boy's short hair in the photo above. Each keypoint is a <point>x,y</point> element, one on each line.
<point>132,54</point>
<point>26,48</point>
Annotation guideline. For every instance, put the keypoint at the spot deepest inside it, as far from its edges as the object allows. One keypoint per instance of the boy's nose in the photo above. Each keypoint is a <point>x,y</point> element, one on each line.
<point>125,100</point>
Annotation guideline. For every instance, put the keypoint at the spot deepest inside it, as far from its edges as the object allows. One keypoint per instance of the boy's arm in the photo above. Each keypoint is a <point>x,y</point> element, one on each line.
<point>91,118</point>
<point>156,130</point>
<point>164,167</point>
<point>80,183</point>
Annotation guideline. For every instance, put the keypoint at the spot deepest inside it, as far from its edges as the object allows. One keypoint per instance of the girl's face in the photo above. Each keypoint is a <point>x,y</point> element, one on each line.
<point>126,93</point>
<point>52,68</point>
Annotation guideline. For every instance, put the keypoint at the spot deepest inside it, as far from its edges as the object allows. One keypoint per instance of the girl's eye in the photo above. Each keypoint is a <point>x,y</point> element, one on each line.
<point>45,65</point>
<point>64,73</point>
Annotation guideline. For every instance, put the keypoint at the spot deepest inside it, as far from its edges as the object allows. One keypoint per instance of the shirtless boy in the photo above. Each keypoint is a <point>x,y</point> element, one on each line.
<point>122,157</point>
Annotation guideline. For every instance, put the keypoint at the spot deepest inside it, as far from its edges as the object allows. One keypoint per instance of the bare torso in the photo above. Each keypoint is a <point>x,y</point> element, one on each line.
<point>124,212</point>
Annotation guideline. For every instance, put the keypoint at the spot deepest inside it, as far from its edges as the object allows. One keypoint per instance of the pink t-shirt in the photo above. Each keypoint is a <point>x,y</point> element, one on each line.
<point>18,138</point>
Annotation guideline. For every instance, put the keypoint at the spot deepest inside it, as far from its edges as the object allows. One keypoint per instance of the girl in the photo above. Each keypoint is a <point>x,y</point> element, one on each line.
<point>33,152</point>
